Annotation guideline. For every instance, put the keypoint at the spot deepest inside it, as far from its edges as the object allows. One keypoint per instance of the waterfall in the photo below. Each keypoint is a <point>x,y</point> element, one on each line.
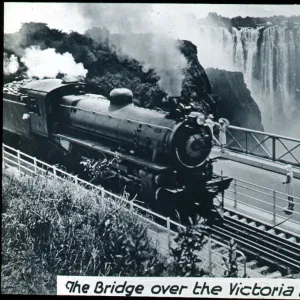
<point>269,58</point>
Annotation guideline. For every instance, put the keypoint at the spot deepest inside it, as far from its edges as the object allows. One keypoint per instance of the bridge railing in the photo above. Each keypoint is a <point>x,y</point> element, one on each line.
<point>271,203</point>
<point>266,145</point>
<point>212,259</point>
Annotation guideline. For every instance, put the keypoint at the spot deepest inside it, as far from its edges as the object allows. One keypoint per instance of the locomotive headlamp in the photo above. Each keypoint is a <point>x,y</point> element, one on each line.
<point>200,119</point>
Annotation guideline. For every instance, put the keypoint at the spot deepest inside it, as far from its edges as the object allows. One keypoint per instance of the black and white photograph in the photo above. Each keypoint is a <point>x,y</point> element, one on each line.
<point>151,150</point>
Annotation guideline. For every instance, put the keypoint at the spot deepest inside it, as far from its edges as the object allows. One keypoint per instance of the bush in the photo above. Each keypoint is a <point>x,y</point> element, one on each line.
<point>187,262</point>
<point>52,229</point>
<point>231,261</point>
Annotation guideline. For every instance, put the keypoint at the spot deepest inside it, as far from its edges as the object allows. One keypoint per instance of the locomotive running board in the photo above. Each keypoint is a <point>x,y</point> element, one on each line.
<point>99,147</point>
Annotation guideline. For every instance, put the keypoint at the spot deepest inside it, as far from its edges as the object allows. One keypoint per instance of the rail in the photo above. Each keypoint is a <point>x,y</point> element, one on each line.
<point>270,146</point>
<point>269,201</point>
<point>28,164</point>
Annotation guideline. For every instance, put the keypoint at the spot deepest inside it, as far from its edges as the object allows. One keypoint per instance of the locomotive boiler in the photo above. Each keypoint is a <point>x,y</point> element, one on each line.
<point>163,156</point>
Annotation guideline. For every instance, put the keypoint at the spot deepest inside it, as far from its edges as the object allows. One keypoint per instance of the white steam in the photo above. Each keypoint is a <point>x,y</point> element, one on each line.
<point>48,63</point>
<point>126,22</point>
<point>10,64</point>
<point>158,52</point>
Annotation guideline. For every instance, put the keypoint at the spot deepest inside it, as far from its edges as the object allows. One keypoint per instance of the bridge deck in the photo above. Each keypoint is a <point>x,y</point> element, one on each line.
<point>254,161</point>
<point>247,195</point>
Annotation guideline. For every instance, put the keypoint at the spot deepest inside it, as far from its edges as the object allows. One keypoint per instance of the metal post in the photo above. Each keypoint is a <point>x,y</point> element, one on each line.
<point>246,142</point>
<point>102,196</point>
<point>223,192</point>
<point>168,233</point>
<point>234,195</point>
<point>19,162</point>
<point>209,254</point>
<point>3,156</point>
<point>35,166</point>
<point>54,172</point>
<point>76,179</point>
<point>274,206</point>
<point>102,192</point>
<point>131,205</point>
<point>273,148</point>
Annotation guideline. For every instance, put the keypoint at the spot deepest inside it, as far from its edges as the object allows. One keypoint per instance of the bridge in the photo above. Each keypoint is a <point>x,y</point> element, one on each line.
<point>257,162</point>
<point>273,147</point>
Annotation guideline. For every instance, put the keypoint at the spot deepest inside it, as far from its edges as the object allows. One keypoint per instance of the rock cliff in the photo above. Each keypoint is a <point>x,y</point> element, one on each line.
<point>234,99</point>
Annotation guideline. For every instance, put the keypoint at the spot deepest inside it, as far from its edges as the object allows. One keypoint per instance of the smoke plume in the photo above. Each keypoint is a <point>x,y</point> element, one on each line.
<point>154,51</point>
<point>10,64</point>
<point>48,64</point>
<point>128,24</point>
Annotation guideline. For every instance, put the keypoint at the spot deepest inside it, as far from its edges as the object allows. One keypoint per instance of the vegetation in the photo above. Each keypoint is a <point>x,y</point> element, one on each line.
<point>238,21</point>
<point>95,168</point>
<point>231,261</point>
<point>51,228</point>
<point>105,67</point>
<point>189,242</point>
<point>108,69</point>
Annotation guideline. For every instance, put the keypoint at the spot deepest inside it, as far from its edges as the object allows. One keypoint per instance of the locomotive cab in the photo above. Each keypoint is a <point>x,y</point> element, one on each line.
<point>42,101</point>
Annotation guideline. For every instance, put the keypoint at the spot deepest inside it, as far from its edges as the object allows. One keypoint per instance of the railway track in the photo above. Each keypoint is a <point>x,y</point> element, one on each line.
<point>271,251</point>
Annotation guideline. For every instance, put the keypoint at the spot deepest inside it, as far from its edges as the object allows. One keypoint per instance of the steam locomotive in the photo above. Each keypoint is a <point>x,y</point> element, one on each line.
<point>163,157</point>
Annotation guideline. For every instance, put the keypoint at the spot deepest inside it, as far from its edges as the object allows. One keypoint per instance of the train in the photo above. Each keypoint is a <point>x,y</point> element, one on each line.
<point>163,156</point>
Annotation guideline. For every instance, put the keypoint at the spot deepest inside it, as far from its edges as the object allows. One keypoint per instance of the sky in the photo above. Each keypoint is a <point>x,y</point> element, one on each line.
<point>68,16</point>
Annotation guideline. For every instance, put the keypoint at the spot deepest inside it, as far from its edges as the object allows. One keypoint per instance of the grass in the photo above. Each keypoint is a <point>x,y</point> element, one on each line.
<point>51,228</point>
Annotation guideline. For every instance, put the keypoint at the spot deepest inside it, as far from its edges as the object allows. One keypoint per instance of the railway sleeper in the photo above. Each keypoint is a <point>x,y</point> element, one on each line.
<point>268,255</point>
<point>262,226</point>
<point>267,241</point>
<point>281,237</point>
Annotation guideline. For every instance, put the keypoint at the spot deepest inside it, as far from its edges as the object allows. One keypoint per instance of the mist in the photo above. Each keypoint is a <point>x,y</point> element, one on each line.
<point>158,52</point>
<point>128,23</point>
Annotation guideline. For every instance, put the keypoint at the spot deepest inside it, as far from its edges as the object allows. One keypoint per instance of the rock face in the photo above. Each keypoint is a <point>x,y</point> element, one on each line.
<point>196,86</point>
<point>234,99</point>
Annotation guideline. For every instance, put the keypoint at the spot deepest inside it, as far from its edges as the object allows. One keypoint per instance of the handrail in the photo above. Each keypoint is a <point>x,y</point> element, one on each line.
<point>260,197</point>
<point>103,192</point>
<point>264,133</point>
<point>270,146</point>
<point>259,186</point>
